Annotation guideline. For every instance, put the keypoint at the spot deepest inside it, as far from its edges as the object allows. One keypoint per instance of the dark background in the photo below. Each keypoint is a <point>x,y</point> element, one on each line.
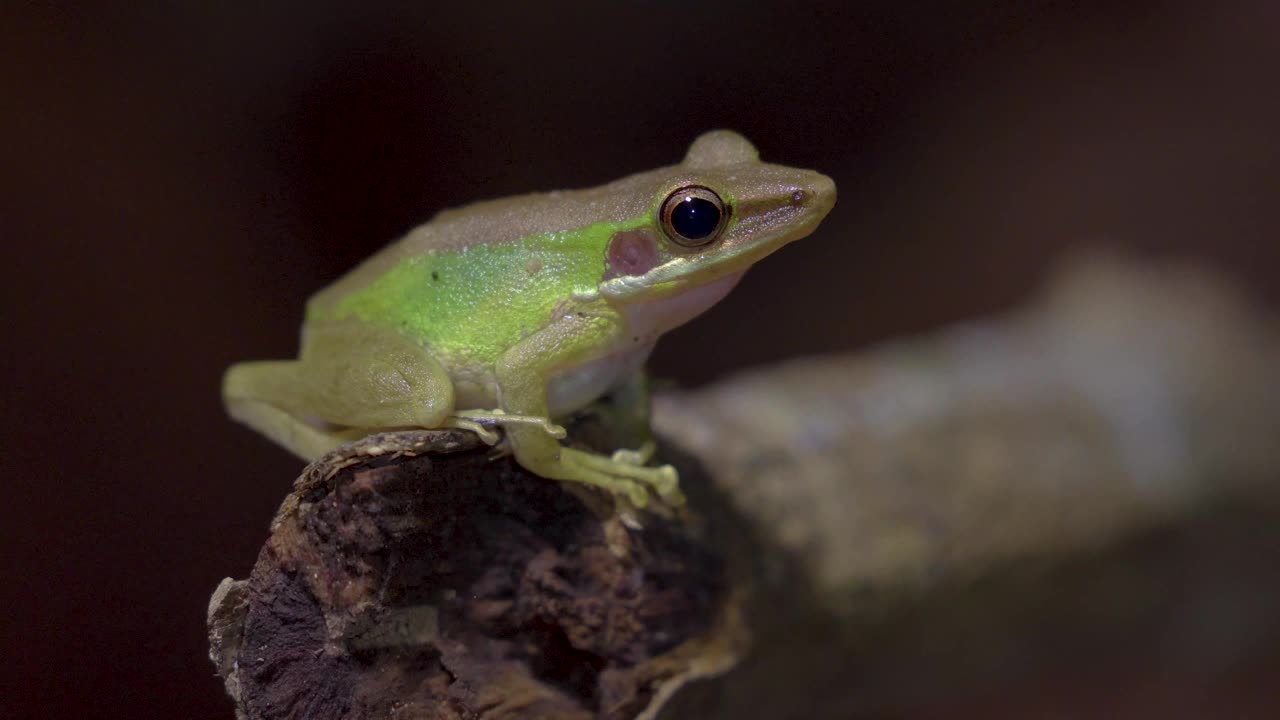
<point>178,178</point>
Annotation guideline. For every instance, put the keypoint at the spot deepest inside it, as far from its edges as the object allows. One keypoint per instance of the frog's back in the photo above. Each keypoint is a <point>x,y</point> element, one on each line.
<point>473,281</point>
<point>503,221</point>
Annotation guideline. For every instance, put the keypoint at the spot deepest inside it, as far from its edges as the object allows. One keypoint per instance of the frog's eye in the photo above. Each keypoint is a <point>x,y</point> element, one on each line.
<point>693,216</point>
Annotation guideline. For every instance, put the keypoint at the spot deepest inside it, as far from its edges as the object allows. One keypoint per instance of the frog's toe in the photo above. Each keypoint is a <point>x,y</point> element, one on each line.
<point>666,482</point>
<point>628,489</point>
<point>636,493</point>
<point>486,434</point>
<point>556,431</point>
<point>638,457</point>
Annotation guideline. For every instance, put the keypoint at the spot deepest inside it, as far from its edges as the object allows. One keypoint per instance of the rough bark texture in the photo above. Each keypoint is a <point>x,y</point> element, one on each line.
<point>417,576</point>
<point>1085,486</point>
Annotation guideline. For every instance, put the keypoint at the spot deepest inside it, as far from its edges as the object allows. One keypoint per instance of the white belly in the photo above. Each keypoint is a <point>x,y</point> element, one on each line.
<point>577,388</point>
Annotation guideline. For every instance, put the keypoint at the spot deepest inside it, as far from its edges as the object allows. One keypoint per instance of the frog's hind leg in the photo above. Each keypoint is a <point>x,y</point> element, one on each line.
<point>350,380</point>
<point>247,392</point>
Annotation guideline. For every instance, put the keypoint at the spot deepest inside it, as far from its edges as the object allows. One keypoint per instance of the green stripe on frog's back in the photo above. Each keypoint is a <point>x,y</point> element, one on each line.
<point>475,303</point>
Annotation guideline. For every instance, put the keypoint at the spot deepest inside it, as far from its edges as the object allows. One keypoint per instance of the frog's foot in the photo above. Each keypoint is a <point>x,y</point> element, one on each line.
<point>477,421</point>
<point>623,476</point>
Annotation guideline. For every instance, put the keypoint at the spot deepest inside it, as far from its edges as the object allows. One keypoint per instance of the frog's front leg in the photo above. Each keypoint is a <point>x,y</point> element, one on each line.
<point>523,375</point>
<point>476,421</point>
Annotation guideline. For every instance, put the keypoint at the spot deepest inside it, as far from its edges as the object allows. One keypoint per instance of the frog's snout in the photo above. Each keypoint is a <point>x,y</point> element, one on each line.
<point>818,191</point>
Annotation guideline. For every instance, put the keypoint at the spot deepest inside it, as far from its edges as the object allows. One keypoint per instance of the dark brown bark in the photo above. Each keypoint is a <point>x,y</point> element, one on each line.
<point>449,583</point>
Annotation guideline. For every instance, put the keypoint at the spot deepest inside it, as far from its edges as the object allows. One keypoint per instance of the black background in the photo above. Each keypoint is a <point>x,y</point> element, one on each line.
<point>178,178</point>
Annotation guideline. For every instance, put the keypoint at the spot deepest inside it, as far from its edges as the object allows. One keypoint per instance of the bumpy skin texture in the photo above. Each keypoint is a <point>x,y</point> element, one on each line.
<point>516,311</point>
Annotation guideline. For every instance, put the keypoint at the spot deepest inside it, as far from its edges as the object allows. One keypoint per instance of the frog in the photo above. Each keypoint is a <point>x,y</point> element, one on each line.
<point>507,316</point>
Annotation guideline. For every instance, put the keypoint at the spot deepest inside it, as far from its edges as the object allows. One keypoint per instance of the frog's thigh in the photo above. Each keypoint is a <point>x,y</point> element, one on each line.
<point>357,375</point>
<point>257,394</point>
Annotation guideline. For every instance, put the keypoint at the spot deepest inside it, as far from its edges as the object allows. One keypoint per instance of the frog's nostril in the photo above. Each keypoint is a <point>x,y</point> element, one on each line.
<point>798,197</point>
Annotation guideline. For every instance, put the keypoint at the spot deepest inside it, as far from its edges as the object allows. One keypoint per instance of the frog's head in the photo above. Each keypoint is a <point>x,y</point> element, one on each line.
<point>711,217</point>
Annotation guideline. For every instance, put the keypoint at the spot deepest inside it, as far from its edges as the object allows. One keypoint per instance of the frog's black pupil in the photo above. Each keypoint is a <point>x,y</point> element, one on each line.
<point>695,218</point>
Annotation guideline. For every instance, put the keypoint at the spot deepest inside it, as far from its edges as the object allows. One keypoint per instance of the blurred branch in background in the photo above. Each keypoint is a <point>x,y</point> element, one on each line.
<point>1081,495</point>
